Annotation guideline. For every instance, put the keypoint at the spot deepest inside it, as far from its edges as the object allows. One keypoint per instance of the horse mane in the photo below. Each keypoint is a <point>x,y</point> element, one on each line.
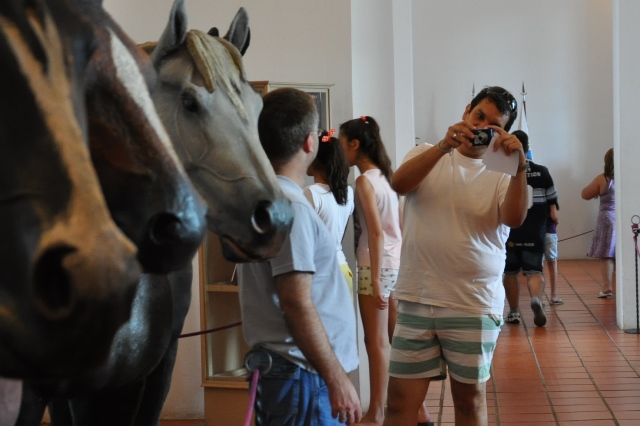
<point>208,53</point>
<point>148,47</point>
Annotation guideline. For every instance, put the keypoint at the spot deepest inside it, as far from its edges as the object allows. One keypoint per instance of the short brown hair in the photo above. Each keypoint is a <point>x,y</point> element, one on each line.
<point>287,117</point>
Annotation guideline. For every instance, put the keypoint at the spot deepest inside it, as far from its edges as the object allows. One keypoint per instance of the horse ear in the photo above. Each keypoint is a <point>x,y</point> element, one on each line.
<point>174,33</point>
<point>239,33</point>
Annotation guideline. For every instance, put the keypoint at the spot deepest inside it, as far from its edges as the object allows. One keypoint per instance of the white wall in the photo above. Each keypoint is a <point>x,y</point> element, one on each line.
<point>561,49</point>
<point>626,152</point>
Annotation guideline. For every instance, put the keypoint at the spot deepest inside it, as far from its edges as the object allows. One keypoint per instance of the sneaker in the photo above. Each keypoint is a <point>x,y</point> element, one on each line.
<point>602,295</point>
<point>513,317</point>
<point>539,317</point>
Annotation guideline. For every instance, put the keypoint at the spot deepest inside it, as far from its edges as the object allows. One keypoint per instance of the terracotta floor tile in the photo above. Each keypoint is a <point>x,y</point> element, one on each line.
<point>584,415</point>
<point>520,417</point>
<point>525,409</point>
<point>597,406</point>
<point>578,370</point>
<point>628,415</point>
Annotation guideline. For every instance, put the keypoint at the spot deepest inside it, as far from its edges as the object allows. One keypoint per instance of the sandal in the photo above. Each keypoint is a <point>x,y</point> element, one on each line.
<point>556,302</point>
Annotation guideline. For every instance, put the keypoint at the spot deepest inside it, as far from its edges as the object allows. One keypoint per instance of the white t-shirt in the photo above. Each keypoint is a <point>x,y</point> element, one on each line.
<point>389,211</point>
<point>453,250</point>
<point>334,215</point>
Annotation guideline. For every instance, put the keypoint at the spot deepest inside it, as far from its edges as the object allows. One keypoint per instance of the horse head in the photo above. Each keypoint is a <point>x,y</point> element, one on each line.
<point>67,273</point>
<point>211,112</point>
<point>146,188</point>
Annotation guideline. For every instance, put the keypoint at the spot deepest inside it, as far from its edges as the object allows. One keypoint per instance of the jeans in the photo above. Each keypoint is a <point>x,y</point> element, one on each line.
<point>289,395</point>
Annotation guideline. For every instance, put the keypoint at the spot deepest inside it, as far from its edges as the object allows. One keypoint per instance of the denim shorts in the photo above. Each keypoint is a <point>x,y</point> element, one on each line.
<point>289,395</point>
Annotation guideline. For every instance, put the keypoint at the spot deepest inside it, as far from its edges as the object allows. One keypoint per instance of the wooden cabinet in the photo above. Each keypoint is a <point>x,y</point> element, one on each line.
<point>226,390</point>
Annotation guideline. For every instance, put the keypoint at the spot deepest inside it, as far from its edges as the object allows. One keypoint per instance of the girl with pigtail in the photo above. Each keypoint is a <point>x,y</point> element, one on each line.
<point>330,194</point>
<point>377,252</point>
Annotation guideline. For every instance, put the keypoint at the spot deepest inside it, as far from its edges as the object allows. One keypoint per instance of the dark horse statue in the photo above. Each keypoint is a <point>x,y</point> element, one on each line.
<point>67,274</point>
<point>59,287</point>
<point>146,188</point>
<point>210,110</point>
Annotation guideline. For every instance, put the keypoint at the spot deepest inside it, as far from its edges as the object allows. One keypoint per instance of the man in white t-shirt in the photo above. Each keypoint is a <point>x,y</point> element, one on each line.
<point>451,298</point>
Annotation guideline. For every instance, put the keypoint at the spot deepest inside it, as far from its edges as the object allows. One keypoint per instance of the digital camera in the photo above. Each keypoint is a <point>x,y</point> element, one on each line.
<point>483,137</point>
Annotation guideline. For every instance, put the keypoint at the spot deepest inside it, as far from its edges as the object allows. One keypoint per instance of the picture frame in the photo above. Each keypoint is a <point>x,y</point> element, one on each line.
<point>320,92</point>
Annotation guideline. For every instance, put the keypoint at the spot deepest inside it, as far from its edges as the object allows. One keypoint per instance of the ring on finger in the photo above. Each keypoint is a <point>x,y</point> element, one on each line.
<point>455,135</point>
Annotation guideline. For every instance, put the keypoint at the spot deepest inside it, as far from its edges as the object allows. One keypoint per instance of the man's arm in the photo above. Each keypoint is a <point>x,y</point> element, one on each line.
<point>595,188</point>
<point>409,175</point>
<point>413,171</point>
<point>294,290</point>
<point>553,213</point>
<point>367,197</point>
<point>513,209</point>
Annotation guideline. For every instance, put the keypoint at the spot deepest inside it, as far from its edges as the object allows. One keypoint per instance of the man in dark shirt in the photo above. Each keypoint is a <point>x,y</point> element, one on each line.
<point>526,244</point>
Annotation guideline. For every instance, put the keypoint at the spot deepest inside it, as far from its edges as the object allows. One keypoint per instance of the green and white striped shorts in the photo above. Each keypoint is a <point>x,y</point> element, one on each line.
<point>428,337</point>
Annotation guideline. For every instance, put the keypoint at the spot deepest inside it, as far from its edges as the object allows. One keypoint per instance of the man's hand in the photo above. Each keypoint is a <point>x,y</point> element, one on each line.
<point>510,144</point>
<point>458,134</point>
<point>345,404</point>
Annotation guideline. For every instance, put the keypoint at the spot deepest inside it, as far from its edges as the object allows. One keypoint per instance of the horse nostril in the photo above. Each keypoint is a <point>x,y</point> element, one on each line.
<point>52,288</point>
<point>261,219</point>
<point>166,228</point>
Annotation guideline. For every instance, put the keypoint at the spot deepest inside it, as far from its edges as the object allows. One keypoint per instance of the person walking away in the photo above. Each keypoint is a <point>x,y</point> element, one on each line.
<point>551,253</point>
<point>603,245</point>
<point>526,243</point>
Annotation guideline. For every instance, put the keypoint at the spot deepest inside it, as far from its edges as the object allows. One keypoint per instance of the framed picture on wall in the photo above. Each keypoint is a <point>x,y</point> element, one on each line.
<point>321,93</point>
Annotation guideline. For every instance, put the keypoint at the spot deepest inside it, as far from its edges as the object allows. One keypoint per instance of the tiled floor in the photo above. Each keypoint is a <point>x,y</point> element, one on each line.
<point>579,369</point>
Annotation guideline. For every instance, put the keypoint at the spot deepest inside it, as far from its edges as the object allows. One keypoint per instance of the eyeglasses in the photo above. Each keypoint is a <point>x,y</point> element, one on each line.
<point>508,97</point>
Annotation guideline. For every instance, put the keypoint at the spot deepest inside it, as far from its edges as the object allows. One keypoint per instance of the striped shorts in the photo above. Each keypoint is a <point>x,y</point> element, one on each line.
<point>428,338</point>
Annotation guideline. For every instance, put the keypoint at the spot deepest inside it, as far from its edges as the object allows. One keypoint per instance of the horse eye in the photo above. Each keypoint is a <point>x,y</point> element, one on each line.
<point>189,102</point>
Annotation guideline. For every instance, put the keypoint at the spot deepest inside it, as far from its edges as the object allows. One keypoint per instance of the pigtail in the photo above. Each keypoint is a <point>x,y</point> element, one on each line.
<point>332,163</point>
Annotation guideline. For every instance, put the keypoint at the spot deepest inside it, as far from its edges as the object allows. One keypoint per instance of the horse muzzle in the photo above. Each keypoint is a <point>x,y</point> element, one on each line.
<point>270,222</point>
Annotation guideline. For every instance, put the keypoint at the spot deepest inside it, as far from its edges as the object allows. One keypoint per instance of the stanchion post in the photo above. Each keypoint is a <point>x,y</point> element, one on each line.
<point>634,228</point>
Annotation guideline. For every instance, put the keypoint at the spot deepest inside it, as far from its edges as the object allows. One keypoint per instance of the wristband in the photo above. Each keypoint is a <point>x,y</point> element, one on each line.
<point>523,167</point>
<point>442,150</point>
